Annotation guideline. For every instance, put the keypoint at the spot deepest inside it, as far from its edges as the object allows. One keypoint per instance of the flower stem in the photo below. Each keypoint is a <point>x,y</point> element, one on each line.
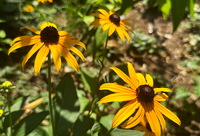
<point>9,110</point>
<point>49,89</point>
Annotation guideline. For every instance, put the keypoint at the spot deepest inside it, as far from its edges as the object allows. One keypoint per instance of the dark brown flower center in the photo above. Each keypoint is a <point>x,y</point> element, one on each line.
<point>148,127</point>
<point>49,35</point>
<point>115,19</point>
<point>145,93</point>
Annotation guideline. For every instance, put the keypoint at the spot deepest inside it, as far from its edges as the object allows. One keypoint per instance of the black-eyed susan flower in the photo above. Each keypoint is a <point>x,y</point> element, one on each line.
<point>145,127</point>
<point>142,96</point>
<point>28,8</point>
<point>42,1</point>
<point>112,22</point>
<point>48,39</point>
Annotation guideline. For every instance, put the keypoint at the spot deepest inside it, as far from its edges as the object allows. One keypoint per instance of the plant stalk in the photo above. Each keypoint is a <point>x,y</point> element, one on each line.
<point>9,110</point>
<point>49,90</point>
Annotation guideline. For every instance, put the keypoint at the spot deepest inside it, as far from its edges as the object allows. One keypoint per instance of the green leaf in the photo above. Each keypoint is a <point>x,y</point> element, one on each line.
<point>82,125</point>
<point>89,79</point>
<point>95,130</point>
<point>178,11</point>
<point>67,105</point>
<point>125,132</point>
<point>9,8</point>
<point>181,92</point>
<point>2,34</point>
<point>126,4</point>
<point>85,102</point>
<point>191,64</point>
<point>88,19</point>
<point>165,7</point>
<point>39,131</point>
<point>197,89</point>
<point>107,120</point>
<point>19,103</point>
<point>29,123</point>
<point>15,116</point>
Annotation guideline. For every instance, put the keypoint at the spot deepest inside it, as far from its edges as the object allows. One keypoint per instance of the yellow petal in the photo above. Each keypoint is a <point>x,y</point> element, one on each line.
<point>120,33</point>
<point>125,28</point>
<point>107,26</point>
<point>75,50</point>
<point>117,97</point>
<point>30,53</point>
<point>162,90</point>
<point>161,97</point>
<point>123,76</point>
<point>73,42</point>
<point>116,88</point>
<point>125,112</point>
<point>31,29</point>
<point>68,57</point>
<point>26,41</point>
<point>111,30</point>
<point>167,113</point>
<point>47,24</point>
<point>111,12</point>
<point>139,128</point>
<point>152,119</point>
<point>62,33</point>
<point>133,121</point>
<point>98,15</point>
<point>161,119</point>
<point>104,12</point>
<point>149,80</point>
<point>126,23</point>
<point>95,23</point>
<point>126,34</point>
<point>41,56</point>
<point>56,57</point>
<point>132,75</point>
<point>33,104</point>
<point>141,79</point>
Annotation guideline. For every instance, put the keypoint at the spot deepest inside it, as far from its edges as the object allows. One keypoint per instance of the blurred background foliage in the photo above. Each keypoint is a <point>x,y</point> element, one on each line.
<point>146,51</point>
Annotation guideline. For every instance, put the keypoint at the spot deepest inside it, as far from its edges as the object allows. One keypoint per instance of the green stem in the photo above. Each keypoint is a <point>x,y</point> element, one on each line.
<point>49,89</point>
<point>9,110</point>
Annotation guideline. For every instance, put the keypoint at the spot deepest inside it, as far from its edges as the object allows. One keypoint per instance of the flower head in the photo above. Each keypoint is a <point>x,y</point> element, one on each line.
<point>28,8</point>
<point>145,127</point>
<point>6,85</point>
<point>1,112</point>
<point>45,1</point>
<point>48,39</point>
<point>142,96</point>
<point>112,22</point>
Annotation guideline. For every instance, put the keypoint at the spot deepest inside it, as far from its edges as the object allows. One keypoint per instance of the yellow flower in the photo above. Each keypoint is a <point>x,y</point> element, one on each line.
<point>6,85</point>
<point>1,112</point>
<point>112,22</point>
<point>48,39</point>
<point>142,96</point>
<point>45,1</point>
<point>145,128</point>
<point>29,8</point>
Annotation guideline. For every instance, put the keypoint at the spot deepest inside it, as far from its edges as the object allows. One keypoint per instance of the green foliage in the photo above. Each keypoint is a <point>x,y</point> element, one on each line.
<point>124,132</point>
<point>181,92</point>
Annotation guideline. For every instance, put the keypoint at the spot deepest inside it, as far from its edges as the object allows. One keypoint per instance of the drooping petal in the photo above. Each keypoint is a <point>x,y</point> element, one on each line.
<point>35,48</point>
<point>141,79</point>
<point>126,23</point>
<point>27,41</point>
<point>56,57</point>
<point>62,33</point>
<point>117,97</point>
<point>41,56</point>
<point>126,35</point>
<point>161,119</point>
<point>72,42</point>
<point>125,28</point>
<point>167,113</point>
<point>125,112</point>
<point>116,88</point>
<point>95,23</point>
<point>104,12</point>
<point>111,30</point>
<point>152,119</point>
<point>133,121</point>
<point>120,33</point>
<point>132,74</point>
<point>161,97</point>
<point>149,80</point>
<point>162,90</point>
<point>123,76</point>
<point>75,50</point>
<point>31,29</point>
<point>68,57</point>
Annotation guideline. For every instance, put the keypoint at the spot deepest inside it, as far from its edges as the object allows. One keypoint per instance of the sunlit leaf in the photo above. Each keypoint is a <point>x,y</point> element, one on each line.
<point>107,120</point>
<point>197,89</point>
<point>125,132</point>
<point>181,92</point>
